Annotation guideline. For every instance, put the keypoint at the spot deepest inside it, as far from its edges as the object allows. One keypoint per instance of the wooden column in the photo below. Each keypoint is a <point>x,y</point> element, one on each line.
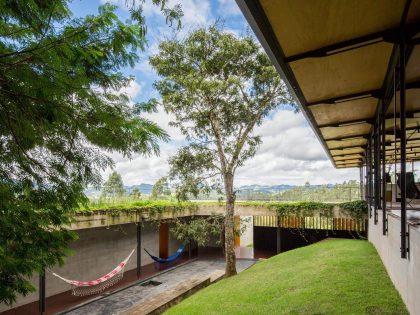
<point>163,240</point>
<point>237,238</point>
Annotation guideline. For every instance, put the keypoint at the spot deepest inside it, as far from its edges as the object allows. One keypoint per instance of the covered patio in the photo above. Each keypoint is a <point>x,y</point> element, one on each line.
<point>354,69</point>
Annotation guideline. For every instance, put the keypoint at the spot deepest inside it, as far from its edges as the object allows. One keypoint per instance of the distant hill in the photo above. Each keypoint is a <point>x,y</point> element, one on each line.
<point>265,189</point>
<point>145,189</point>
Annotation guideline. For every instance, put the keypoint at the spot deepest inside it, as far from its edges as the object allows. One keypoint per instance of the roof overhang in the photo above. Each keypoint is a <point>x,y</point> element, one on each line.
<point>338,60</point>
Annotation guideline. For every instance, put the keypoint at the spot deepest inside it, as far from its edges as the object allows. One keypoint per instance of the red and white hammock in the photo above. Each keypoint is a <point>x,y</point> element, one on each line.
<point>82,288</point>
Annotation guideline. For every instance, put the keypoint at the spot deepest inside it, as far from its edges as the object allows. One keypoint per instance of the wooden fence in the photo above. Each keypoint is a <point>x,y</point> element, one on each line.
<point>316,223</point>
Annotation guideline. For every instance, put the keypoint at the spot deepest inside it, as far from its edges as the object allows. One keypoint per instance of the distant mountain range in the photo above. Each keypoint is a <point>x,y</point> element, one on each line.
<point>146,189</point>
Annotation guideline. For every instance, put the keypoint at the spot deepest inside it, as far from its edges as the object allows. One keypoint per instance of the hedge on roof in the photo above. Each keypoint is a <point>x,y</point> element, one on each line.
<point>355,209</point>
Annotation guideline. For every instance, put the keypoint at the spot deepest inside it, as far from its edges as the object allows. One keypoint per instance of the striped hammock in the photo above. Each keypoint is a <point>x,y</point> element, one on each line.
<point>83,288</point>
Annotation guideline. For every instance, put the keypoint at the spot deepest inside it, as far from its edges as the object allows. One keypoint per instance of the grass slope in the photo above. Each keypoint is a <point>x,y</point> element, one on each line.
<point>330,277</point>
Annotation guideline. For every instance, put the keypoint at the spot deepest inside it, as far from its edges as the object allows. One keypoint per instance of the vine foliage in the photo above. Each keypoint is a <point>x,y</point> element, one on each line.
<point>303,209</point>
<point>356,209</point>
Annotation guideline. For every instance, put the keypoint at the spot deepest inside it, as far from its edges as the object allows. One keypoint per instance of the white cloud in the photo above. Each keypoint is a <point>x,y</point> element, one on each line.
<point>143,169</point>
<point>290,154</point>
<point>196,12</point>
<point>148,169</point>
<point>132,90</point>
<point>163,119</point>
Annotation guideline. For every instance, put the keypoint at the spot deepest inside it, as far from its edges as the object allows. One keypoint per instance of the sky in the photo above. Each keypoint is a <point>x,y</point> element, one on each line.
<point>290,152</point>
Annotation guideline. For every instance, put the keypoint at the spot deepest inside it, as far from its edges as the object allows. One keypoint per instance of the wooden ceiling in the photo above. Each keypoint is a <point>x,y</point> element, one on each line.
<point>335,57</point>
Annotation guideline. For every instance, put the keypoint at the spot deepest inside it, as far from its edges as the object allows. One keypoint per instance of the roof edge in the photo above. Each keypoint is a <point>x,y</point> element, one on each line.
<point>258,22</point>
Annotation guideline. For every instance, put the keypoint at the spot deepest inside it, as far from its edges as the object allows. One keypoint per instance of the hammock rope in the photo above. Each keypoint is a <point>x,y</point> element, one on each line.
<point>83,288</point>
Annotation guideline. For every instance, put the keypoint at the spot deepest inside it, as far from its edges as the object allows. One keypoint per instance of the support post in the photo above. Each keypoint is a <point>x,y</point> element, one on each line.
<point>366,179</point>
<point>138,250</point>
<point>383,158</point>
<point>361,182</point>
<point>42,297</point>
<point>376,183</point>
<point>278,236</point>
<point>369,177</point>
<point>403,151</point>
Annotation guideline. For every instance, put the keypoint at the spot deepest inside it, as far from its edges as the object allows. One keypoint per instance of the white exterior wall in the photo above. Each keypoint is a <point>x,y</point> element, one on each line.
<point>247,237</point>
<point>95,253</point>
<point>404,273</point>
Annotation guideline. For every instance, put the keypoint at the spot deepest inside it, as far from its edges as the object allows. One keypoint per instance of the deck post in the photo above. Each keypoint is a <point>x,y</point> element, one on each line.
<point>403,150</point>
<point>138,250</point>
<point>42,297</point>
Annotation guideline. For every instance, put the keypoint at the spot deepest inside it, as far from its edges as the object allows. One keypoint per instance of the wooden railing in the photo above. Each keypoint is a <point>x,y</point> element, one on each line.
<point>317,223</point>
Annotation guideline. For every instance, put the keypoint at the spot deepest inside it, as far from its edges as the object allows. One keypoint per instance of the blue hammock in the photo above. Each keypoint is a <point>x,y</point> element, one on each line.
<point>170,258</point>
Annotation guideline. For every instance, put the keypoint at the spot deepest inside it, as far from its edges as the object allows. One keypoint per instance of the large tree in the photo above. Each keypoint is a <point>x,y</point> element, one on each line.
<point>59,112</point>
<point>219,88</point>
<point>114,186</point>
<point>161,189</point>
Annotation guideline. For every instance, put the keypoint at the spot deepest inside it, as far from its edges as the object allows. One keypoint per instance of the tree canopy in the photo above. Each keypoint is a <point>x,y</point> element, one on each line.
<point>198,229</point>
<point>60,110</point>
<point>219,87</point>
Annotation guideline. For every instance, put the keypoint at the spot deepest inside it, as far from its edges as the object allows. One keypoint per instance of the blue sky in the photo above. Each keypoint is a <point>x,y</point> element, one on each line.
<point>290,153</point>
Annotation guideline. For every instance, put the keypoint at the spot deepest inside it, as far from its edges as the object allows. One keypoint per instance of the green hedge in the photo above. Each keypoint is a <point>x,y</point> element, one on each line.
<point>355,209</point>
<point>152,207</point>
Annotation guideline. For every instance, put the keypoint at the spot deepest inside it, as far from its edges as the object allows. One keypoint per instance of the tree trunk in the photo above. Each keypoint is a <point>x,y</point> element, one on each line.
<point>229,227</point>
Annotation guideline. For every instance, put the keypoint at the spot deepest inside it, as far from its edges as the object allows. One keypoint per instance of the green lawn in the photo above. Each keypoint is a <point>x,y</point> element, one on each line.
<point>330,277</point>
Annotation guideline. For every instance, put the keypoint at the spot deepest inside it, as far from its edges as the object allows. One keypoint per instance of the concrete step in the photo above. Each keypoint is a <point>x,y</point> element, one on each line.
<point>161,302</point>
<point>217,275</point>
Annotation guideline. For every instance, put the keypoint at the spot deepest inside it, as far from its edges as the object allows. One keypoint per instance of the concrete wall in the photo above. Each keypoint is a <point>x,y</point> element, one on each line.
<point>107,218</point>
<point>95,253</point>
<point>404,273</point>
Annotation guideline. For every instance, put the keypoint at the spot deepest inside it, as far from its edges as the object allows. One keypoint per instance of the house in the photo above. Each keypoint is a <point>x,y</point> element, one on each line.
<point>354,69</point>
